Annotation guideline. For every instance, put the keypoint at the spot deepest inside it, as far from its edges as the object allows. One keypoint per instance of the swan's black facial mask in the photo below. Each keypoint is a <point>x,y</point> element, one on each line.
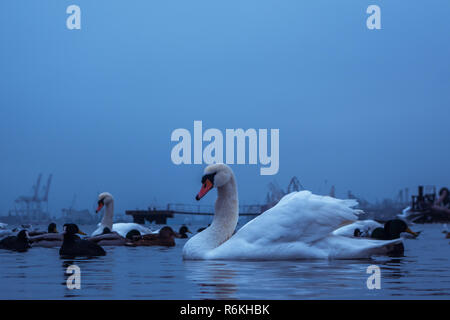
<point>207,184</point>
<point>100,206</point>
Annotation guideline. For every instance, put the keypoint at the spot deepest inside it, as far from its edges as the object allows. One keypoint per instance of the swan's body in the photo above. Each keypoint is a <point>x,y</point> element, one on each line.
<point>300,226</point>
<point>122,228</point>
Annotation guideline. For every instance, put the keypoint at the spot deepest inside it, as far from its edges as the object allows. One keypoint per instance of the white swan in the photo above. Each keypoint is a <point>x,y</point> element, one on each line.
<point>300,226</point>
<point>106,200</point>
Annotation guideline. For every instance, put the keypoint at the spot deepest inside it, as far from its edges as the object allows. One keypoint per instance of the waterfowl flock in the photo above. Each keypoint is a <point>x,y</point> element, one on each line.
<point>301,226</point>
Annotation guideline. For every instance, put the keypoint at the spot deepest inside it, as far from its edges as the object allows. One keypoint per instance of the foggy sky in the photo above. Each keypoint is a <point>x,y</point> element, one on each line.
<point>368,111</point>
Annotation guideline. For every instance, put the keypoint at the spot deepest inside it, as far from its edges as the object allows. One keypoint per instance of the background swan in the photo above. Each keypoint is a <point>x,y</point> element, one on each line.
<point>106,200</point>
<point>300,226</point>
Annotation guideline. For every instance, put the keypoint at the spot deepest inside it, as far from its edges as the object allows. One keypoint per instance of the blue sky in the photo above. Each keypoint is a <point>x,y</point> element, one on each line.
<point>368,111</point>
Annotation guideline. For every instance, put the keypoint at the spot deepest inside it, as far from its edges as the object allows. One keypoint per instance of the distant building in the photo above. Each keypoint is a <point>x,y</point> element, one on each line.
<point>78,216</point>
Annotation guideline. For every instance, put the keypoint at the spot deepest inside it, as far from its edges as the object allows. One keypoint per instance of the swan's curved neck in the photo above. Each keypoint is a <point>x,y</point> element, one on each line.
<point>107,220</point>
<point>226,213</point>
<point>222,227</point>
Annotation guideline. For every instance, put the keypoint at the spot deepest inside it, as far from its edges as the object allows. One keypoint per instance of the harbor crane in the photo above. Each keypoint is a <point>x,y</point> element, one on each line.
<point>34,208</point>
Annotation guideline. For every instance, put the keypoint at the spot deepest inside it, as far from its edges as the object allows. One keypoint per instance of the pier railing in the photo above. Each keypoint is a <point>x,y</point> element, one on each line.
<point>179,208</point>
<point>160,215</point>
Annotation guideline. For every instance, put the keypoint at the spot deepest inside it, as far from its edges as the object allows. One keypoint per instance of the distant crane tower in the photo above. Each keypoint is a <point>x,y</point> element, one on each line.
<point>30,208</point>
<point>403,196</point>
<point>294,185</point>
<point>333,192</point>
<point>36,188</point>
<point>47,188</point>
<point>276,193</point>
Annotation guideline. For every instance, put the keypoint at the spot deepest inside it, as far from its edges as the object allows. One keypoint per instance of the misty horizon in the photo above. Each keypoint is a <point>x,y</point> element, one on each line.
<point>366,110</point>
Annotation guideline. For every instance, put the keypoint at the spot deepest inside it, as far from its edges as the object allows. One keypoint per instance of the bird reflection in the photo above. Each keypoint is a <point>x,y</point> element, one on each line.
<point>213,278</point>
<point>102,278</point>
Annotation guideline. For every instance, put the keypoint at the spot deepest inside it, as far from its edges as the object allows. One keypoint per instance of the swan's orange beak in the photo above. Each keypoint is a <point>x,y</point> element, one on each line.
<point>204,190</point>
<point>100,206</point>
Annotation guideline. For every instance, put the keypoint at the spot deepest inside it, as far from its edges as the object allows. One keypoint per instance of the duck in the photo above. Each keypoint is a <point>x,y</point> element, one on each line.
<point>392,230</point>
<point>73,246</point>
<point>51,228</point>
<point>19,243</point>
<point>300,226</point>
<point>365,228</point>
<point>165,237</point>
<point>182,232</point>
<point>106,200</point>
<point>112,238</point>
<point>49,239</point>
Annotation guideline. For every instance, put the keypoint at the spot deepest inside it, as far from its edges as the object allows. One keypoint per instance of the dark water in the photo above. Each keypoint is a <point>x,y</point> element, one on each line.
<point>160,273</point>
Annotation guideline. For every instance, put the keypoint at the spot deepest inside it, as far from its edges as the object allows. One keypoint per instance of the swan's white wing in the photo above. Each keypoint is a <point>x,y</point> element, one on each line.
<point>365,226</point>
<point>299,216</point>
<point>290,230</point>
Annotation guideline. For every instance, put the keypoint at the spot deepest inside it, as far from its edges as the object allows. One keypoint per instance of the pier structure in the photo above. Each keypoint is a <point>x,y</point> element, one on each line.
<point>160,215</point>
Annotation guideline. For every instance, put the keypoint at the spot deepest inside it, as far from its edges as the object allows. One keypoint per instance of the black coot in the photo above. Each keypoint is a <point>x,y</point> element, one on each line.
<point>74,246</point>
<point>19,243</point>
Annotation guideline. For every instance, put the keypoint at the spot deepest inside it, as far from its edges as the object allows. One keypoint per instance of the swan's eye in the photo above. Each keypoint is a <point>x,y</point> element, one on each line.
<point>209,177</point>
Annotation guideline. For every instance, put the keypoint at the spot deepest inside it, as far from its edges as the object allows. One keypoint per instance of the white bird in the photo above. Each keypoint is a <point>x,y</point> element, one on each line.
<point>406,213</point>
<point>300,226</point>
<point>106,200</point>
